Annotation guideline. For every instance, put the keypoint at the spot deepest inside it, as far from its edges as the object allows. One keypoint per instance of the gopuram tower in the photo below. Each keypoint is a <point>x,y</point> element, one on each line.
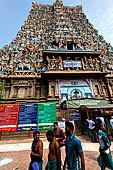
<point>57,55</point>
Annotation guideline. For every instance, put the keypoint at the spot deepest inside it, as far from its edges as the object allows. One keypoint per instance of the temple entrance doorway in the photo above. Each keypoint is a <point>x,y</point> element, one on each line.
<point>69,46</point>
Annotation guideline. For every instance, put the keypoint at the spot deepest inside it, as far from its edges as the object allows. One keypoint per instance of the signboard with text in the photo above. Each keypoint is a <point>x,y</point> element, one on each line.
<point>75,116</point>
<point>8,117</point>
<point>72,64</point>
<point>78,103</point>
<point>27,120</point>
<point>61,125</point>
<point>46,115</point>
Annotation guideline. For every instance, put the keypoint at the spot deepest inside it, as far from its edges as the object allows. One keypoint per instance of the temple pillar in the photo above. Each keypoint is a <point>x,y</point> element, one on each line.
<point>43,91</point>
<point>110,86</point>
<point>32,91</point>
<point>4,93</point>
<point>12,91</point>
<point>21,92</point>
<point>38,92</point>
<point>49,90</point>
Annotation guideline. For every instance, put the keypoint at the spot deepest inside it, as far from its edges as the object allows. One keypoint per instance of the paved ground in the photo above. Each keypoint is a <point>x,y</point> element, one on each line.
<point>18,152</point>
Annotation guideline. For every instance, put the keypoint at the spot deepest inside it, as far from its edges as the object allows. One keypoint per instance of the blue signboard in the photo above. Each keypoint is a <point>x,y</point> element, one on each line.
<point>27,120</point>
<point>75,116</point>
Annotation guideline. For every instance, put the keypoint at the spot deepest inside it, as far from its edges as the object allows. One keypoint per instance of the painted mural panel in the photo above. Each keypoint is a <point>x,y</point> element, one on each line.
<point>46,115</point>
<point>8,117</point>
<point>74,89</point>
<point>27,120</point>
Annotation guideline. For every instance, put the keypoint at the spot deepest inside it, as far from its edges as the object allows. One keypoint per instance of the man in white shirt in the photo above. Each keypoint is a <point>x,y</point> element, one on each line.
<point>111,122</point>
<point>91,126</point>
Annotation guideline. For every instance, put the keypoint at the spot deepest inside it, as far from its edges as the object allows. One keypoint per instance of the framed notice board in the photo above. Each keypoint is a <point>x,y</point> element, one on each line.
<point>27,120</point>
<point>46,115</point>
<point>8,117</point>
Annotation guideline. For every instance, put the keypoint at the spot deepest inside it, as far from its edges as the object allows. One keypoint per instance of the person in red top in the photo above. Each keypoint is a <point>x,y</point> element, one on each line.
<point>58,133</point>
<point>59,137</point>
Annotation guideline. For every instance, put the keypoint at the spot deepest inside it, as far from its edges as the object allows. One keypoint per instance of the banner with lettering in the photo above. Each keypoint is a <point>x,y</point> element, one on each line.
<point>71,64</point>
<point>8,117</point>
<point>75,116</point>
<point>78,103</point>
<point>27,120</point>
<point>46,115</point>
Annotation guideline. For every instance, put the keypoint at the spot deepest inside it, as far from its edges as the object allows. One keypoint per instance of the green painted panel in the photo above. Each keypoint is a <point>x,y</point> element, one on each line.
<point>78,103</point>
<point>46,115</point>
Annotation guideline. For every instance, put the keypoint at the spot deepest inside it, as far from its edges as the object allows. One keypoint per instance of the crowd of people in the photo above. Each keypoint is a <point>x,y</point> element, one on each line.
<point>92,127</point>
<point>98,128</point>
<point>74,156</point>
<point>54,27</point>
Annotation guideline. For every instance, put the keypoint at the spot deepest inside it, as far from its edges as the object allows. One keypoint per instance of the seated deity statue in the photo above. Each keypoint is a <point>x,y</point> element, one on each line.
<point>20,66</point>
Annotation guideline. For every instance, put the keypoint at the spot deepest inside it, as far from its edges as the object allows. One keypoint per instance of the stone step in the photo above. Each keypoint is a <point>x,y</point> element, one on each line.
<point>20,135</point>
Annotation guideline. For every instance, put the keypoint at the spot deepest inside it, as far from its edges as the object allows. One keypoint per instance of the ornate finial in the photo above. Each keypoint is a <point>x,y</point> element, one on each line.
<point>58,2</point>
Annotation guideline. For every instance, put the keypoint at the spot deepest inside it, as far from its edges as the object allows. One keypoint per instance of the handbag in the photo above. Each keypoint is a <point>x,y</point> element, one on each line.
<point>35,166</point>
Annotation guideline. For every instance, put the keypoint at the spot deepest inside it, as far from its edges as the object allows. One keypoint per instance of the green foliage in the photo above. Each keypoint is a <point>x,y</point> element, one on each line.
<point>1,88</point>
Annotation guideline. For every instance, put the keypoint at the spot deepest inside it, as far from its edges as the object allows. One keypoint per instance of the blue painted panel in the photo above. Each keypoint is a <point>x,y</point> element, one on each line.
<point>27,120</point>
<point>75,116</point>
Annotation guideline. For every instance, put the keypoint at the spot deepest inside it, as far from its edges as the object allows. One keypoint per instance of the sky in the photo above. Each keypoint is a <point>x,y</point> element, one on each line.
<point>13,13</point>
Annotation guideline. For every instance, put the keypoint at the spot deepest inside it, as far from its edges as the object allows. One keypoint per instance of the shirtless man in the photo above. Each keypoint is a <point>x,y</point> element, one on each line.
<point>36,152</point>
<point>54,156</point>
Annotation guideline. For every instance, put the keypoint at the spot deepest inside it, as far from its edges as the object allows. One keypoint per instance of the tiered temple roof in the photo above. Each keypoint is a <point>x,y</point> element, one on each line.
<point>55,28</point>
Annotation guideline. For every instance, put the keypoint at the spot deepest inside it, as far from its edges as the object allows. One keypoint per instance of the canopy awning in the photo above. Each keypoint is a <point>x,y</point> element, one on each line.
<point>86,103</point>
<point>92,107</point>
<point>105,110</point>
